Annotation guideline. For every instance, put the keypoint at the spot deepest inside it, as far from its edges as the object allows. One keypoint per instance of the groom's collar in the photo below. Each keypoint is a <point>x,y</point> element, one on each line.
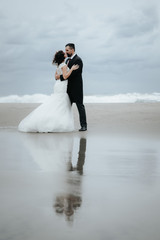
<point>73,55</point>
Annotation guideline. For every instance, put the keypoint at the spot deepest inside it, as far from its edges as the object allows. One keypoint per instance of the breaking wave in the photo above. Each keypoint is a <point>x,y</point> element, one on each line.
<point>118,98</point>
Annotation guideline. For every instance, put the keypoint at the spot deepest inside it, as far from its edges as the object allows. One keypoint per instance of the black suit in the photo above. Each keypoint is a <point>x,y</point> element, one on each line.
<point>75,88</point>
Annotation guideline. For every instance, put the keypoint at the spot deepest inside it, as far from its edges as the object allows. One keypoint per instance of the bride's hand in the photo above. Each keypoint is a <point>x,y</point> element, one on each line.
<point>75,67</point>
<point>57,76</point>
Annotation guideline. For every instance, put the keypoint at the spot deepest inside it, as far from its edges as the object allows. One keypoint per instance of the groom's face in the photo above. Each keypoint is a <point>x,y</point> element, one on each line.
<point>69,51</point>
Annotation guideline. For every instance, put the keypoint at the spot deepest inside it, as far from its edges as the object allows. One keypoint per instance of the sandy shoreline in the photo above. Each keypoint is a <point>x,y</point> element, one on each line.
<point>99,184</point>
<point>103,117</point>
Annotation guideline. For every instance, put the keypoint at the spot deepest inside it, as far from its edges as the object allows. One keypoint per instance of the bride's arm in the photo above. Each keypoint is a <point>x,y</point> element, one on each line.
<point>57,76</point>
<point>67,73</point>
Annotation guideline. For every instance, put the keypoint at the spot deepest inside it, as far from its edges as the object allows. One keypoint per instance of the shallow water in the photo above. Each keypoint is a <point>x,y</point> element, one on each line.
<point>78,186</point>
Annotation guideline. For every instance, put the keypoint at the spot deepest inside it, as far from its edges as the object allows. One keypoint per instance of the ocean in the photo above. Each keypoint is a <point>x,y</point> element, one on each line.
<point>118,98</point>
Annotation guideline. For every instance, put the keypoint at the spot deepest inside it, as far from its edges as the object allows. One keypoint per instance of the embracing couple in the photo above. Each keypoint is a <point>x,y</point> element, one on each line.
<point>55,115</point>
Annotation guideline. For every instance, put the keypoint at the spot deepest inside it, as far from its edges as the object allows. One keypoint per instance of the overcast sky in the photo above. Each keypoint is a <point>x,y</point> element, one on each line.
<point>118,41</point>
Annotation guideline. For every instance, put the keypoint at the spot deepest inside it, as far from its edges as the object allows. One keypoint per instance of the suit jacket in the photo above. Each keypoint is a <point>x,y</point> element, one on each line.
<point>75,81</point>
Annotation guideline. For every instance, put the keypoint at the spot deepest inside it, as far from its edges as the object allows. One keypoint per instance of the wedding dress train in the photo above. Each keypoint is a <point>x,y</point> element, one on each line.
<point>54,115</point>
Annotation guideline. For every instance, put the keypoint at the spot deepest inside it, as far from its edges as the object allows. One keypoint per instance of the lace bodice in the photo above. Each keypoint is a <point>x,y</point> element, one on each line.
<point>59,68</point>
<point>60,86</point>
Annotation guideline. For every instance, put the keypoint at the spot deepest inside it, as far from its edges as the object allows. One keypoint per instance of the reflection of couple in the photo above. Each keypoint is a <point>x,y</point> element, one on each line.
<point>55,115</point>
<point>55,154</point>
<point>68,202</point>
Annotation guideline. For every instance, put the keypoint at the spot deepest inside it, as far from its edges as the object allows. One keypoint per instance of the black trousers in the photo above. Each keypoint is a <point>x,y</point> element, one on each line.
<point>82,114</point>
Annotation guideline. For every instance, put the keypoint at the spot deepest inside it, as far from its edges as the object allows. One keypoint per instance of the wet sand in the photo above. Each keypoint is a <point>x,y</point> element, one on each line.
<point>99,184</point>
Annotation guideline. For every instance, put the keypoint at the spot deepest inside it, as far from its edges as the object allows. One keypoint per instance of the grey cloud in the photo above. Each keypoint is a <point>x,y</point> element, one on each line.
<point>113,46</point>
<point>138,22</point>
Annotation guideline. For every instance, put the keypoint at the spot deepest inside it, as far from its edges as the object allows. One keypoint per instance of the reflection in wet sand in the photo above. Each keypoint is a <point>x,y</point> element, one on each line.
<point>46,182</point>
<point>69,201</point>
<point>49,151</point>
<point>81,158</point>
<point>55,153</point>
<point>67,204</point>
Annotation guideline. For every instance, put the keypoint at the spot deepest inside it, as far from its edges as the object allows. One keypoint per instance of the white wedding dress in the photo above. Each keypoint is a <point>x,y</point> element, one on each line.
<point>54,115</point>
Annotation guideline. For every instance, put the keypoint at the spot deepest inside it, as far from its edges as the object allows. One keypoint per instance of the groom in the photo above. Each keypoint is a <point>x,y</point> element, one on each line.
<point>75,84</point>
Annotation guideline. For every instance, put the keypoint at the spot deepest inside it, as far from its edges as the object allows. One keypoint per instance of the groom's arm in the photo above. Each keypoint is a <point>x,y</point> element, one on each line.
<point>57,77</point>
<point>74,73</point>
<point>61,77</point>
<point>79,70</point>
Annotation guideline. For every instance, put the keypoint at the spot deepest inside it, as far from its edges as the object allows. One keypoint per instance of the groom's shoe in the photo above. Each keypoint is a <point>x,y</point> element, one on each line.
<point>83,129</point>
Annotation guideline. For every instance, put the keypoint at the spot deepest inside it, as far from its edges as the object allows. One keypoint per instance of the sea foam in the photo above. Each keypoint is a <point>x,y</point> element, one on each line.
<point>117,98</point>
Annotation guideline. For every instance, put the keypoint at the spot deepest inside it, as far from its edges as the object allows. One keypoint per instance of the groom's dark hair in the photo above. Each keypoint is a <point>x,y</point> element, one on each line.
<point>71,45</point>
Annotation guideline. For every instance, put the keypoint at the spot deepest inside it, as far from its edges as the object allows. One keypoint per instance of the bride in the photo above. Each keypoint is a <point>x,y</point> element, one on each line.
<point>54,115</point>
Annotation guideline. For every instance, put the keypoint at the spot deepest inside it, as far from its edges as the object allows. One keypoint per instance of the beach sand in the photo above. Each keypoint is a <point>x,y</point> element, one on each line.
<point>123,118</point>
<point>99,184</point>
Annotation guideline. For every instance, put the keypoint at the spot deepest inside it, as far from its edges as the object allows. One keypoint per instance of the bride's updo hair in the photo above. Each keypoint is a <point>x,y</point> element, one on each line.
<point>58,57</point>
